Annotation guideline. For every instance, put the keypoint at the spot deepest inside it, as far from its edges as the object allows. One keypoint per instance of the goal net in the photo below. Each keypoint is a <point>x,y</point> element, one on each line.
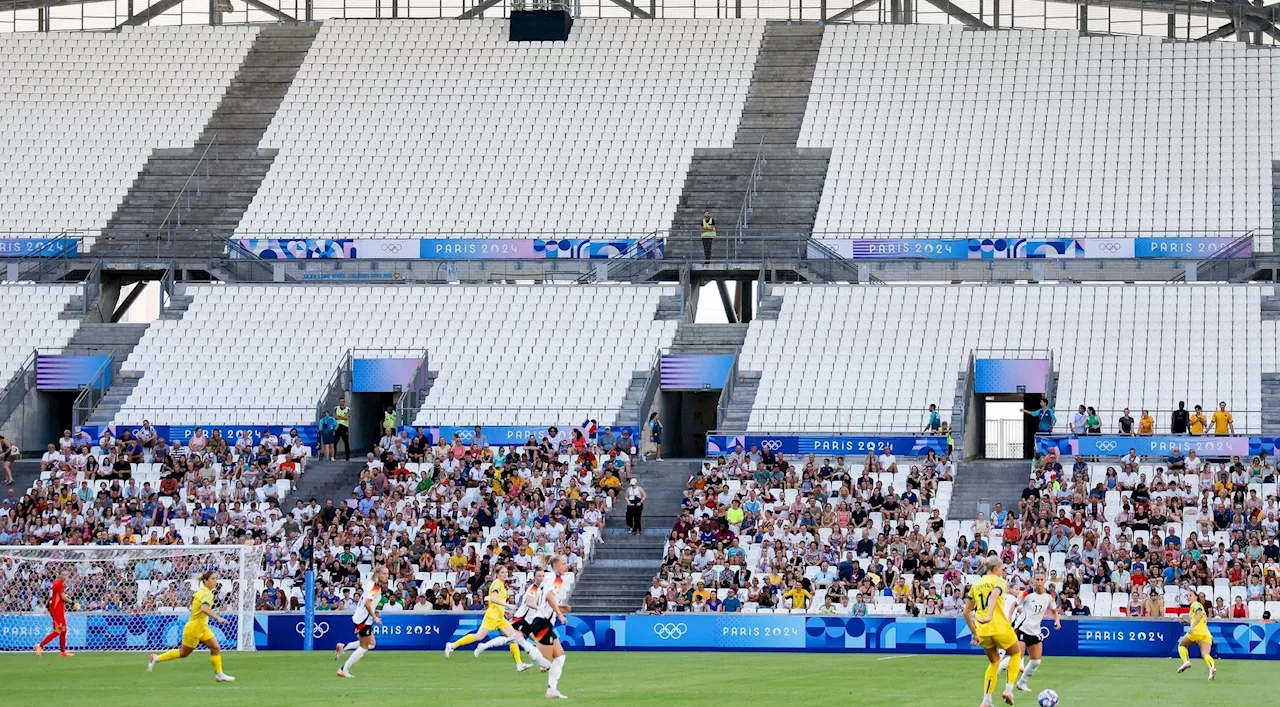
<point>126,598</point>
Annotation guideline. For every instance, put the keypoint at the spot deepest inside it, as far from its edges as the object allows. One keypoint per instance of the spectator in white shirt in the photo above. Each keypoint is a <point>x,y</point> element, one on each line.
<point>50,459</point>
<point>888,462</point>
<point>1080,422</point>
<point>67,442</point>
<point>1193,462</point>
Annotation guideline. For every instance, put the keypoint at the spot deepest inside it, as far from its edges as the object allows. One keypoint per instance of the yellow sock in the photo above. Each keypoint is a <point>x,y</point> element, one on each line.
<point>469,638</point>
<point>217,663</point>
<point>1208,658</point>
<point>515,652</point>
<point>169,655</point>
<point>1183,654</point>
<point>989,680</point>
<point>1015,667</point>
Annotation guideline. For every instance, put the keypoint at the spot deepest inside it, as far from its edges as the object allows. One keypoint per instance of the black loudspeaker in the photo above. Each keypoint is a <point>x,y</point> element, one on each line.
<point>540,25</point>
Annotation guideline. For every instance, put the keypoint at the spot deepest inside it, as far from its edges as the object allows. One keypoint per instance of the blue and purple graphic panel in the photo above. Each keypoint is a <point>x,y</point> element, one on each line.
<point>1010,375</point>
<point>695,371</point>
<point>382,375</point>
<point>62,372</point>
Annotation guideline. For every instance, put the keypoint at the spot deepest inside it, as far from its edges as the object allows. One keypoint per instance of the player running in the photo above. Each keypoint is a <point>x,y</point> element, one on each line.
<point>1030,610</point>
<point>58,612</point>
<point>542,627</point>
<point>991,628</point>
<point>365,616</point>
<point>197,630</point>
<point>1199,635</point>
<point>517,630</point>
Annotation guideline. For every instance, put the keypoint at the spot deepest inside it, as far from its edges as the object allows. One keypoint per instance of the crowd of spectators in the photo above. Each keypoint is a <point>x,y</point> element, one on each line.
<point>1196,422</point>
<point>440,515</point>
<point>758,532</point>
<point>1134,536</point>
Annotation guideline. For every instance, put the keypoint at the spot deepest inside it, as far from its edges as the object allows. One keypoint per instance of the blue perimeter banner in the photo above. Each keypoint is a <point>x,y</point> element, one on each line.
<point>778,632</point>
<point>310,436</point>
<point>108,631</point>
<point>511,435</point>
<point>1157,446</point>
<point>1028,248</point>
<point>442,248</point>
<point>38,247</point>
<point>914,446</point>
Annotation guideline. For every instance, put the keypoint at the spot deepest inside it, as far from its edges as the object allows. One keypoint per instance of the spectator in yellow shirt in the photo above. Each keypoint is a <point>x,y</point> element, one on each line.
<point>798,595</point>
<point>1198,421</point>
<point>1146,424</point>
<point>1223,422</point>
<point>735,514</point>
<point>701,592</point>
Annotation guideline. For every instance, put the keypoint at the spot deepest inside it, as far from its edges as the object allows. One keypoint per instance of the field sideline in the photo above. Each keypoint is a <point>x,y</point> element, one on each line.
<point>387,678</point>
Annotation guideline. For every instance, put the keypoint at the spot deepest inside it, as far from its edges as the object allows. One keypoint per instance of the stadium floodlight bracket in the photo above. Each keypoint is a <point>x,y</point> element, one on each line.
<point>849,12</point>
<point>954,11</point>
<point>273,11</point>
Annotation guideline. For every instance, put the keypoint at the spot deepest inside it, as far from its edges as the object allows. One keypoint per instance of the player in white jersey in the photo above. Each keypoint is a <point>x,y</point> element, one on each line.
<point>520,622</point>
<point>542,627</point>
<point>365,616</point>
<point>1032,606</point>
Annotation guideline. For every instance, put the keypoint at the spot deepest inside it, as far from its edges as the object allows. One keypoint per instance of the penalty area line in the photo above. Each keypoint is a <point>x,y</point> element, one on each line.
<point>895,657</point>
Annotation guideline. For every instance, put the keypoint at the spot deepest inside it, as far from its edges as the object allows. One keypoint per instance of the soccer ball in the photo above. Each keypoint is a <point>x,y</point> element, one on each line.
<point>1048,698</point>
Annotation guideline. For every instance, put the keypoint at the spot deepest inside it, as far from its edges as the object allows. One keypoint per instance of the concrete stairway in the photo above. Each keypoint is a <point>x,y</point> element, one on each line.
<point>709,338</point>
<point>670,307</point>
<point>233,169</point>
<point>102,338</point>
<point>629,415</point>
<point>618,575</point>
<point>988,482</point>
<point>326,480</point>
<point>738,414</point>
<point>1271,404</point>
<point>787,195</point>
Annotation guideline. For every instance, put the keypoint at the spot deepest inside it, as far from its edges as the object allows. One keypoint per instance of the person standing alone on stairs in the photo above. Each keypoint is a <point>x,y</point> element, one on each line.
<point>342,414</point>
<point>655,435</point>
<point>635,505</point>
<point>708,234</point>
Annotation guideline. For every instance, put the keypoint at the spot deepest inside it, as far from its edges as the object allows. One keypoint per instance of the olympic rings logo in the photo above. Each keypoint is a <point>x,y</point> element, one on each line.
<point>1107,445</point>
<point>317,631</point>
<point>670,632</point>
<point>773,444</point>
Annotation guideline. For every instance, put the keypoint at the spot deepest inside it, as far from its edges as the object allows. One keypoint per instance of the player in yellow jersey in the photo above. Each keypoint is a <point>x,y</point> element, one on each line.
<point>197,630</point>
<point>495,619</point>
<point>1198,635</point>
<point>984,612</point>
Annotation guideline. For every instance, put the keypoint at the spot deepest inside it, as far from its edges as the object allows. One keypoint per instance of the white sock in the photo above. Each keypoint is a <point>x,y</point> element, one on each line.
<point>1032,666</point>
<point>553,675</point>
<point>355,658</point>
<point>495,642</point>
<point>532,649</point>
<point>1004,663</point>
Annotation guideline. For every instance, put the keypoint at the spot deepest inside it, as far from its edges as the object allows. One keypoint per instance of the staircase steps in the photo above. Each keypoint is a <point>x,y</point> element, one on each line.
<point>211,203</point>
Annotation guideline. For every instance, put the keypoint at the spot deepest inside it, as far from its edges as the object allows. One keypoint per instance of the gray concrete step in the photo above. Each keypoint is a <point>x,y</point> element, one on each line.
<point>989,481</point>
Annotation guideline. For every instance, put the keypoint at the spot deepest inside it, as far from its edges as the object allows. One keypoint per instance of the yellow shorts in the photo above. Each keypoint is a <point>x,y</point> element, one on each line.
<point>494,623</point>
<point>195,634</point>
<point>1003,639</point>
<point>1199,636</point>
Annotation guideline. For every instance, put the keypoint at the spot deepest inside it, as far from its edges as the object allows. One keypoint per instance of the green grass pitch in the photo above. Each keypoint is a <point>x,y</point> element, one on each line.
<point>387,678</point>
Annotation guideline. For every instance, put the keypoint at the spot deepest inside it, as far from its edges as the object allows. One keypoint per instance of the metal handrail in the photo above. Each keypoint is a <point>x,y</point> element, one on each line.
<point>92,393</point>
<point>1237,249</point>
<point>726,393</point>
<point>183,192</point>
<point>744,212</point>
<point>18,386</point>
<point>814,248</point>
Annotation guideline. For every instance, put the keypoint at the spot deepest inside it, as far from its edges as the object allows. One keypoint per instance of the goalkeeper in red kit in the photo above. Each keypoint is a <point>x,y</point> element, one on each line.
<point>58,612</point>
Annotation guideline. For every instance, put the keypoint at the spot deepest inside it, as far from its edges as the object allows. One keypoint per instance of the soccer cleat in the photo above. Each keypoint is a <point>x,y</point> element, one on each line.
<point>65,654</point>
<point>223,677</point>
<point>344,674</point>
<point>1213,673</point>
<point>448,650</point>
<point>520,668</point>
<point>1007,694</point>
<point>477,651</point>
<point>152,664</point>
<point>555,695</point>
<point>1184,666</point>
<point>337,650</point>
<point>1022,685</point>
<point>39,649</point>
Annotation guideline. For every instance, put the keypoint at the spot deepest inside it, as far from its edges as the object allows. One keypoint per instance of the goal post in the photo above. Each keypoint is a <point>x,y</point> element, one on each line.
<point>126,598</point>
